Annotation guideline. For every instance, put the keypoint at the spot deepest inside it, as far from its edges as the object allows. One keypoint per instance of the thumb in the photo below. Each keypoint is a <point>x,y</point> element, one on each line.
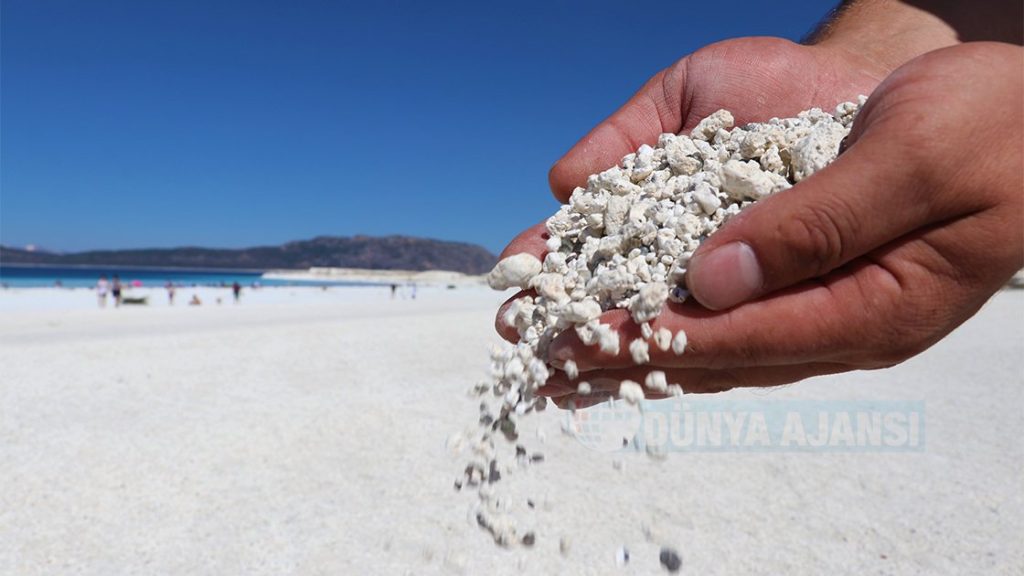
<point>656,108</point>
<point>863,200</point>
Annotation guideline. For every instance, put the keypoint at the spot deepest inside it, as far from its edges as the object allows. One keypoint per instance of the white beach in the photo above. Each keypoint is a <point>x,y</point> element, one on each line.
<point>305,431</point>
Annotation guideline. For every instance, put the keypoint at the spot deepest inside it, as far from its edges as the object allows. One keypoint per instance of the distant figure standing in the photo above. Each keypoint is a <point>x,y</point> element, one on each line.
<point>394,288</point>
<point>413,290</point>
<point>115,291</point>
<point>102,287</point>
<point>170,292</point>
<point>236,289</point>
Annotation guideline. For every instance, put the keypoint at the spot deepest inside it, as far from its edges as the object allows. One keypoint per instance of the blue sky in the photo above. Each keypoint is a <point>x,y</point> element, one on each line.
<point>220,123</point>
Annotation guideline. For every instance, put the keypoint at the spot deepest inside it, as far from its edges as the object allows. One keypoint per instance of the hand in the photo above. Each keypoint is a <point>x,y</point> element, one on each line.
<point>868,262</point>
<point>754,78</point>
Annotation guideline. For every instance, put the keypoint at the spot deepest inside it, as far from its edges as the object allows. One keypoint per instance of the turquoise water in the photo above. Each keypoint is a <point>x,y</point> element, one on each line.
<point>86,276</point>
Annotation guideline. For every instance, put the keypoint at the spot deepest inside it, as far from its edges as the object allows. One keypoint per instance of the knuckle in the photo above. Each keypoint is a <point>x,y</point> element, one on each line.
<point>814,237</point>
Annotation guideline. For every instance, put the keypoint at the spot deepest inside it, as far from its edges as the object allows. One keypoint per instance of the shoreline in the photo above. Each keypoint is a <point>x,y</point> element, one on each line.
<point>366,275</point>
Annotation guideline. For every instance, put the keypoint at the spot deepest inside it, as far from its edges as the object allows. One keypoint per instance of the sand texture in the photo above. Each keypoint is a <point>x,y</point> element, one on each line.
<point>306,432</point>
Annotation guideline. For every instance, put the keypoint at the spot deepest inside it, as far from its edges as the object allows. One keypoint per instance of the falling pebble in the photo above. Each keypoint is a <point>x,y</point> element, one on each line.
<point>563,545</point>
<point>621,557</point>
<point>670,559</point>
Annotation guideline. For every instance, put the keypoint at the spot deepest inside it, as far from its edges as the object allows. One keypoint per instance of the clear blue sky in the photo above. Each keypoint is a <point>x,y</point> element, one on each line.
<point>223,123</point>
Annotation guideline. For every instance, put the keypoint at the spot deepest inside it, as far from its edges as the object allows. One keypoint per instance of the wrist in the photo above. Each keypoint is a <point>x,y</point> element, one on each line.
<point>882,34</point>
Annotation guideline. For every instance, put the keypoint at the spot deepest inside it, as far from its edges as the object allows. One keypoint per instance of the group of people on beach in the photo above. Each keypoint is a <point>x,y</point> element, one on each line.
<point>115,289</point>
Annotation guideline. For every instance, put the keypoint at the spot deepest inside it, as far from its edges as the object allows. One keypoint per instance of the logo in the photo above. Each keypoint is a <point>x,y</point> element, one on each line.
<point>711,425</point>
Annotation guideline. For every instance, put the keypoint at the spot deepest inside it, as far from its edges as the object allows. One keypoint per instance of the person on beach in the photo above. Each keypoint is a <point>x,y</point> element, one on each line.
<point>394,288</point>
<point>236,289</point>
<point>102,287</point>
<point>115,291</point>
<point>169,286</point>
<point>876,257</point>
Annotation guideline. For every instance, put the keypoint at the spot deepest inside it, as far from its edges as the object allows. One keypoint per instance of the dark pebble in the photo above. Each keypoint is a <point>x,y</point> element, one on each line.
<point>529,538</point>
<point>508,428</point>
<point>670,560</point>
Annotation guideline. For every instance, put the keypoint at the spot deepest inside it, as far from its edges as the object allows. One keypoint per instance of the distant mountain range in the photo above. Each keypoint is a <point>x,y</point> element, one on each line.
<point>377,253</point>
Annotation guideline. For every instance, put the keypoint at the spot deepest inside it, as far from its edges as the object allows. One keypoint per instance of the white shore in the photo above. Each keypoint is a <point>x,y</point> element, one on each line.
<point>428,277</point>
<point>304,431</point>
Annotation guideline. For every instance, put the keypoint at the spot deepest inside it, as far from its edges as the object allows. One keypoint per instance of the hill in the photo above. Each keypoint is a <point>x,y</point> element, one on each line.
<point>376,253</point>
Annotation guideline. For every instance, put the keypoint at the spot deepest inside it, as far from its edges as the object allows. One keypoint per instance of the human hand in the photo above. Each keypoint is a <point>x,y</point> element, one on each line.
<point>866,263</point>
<point>753,78</point>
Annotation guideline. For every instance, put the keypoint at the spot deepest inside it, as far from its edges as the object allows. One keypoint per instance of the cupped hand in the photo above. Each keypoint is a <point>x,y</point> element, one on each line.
<point>868,262</point>
<point>754,78</point>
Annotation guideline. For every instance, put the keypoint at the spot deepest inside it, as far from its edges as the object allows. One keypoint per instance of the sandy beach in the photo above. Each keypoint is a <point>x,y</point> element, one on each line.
<point>307,431</point>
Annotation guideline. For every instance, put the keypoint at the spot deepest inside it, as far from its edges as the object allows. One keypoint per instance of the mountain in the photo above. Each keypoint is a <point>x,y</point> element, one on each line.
<point>377,253</point>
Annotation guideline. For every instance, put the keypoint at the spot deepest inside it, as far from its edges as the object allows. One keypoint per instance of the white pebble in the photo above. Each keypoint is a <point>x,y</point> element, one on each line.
<point>640,351</point>
<point>663,339</point>
<point>583,389</point>
<point>648,302</point>
<point>515,271</point>
<point>656,381</point>
<point>679,343</point>
<point>608,339</point>
<point>564,544</point>
<point>621,557</point>
<point>571,370</point>
<point>708,127</point>
<point>631,392</point>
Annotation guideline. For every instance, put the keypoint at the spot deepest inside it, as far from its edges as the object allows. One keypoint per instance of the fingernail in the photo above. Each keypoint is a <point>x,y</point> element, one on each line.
<point>726,276</point>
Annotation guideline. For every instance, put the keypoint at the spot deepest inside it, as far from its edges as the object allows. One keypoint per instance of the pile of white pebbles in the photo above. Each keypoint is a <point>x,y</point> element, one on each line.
<point>624,242</point>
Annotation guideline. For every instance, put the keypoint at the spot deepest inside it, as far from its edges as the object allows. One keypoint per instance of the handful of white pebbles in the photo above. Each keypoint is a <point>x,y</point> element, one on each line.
<point>624,242</point>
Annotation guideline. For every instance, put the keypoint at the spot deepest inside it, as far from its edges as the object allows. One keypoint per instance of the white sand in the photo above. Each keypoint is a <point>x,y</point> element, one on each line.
<point>304,432</point>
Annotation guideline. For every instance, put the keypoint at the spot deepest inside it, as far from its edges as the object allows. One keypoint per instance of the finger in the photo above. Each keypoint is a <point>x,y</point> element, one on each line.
<point>864,200</point>
<point>692,380</point>
<point>941,293</point>
<point>530,241</point>
<point>501,325</point>
<point>825,320</point>
<point>656,108</point>
<point>557,387</point>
